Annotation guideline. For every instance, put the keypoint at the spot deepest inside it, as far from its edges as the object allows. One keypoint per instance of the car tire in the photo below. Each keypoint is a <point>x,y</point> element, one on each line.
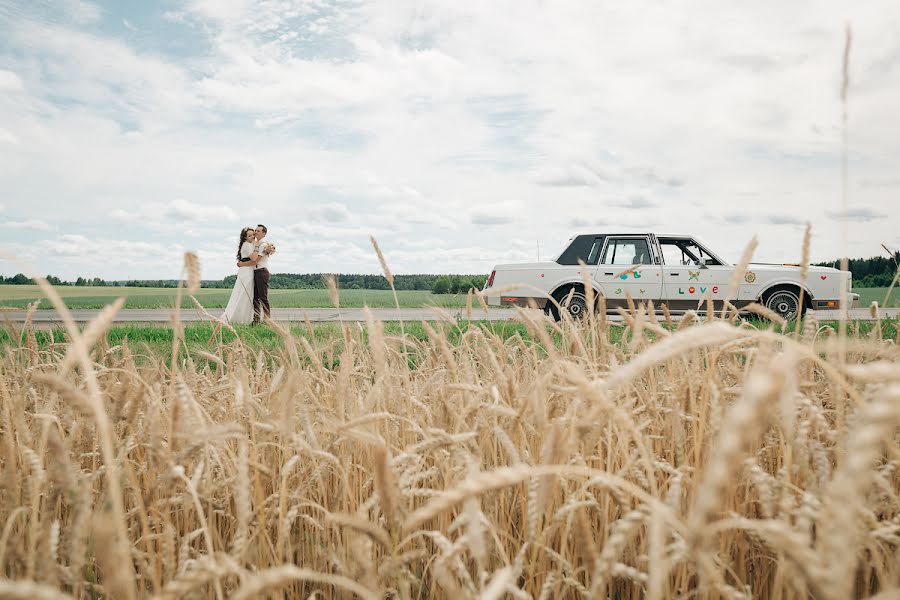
<point>785,302</point>
<point>577,308</point>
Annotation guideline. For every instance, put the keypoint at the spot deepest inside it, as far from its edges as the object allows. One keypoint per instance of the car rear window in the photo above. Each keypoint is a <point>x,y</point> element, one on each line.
<point>584,247</point>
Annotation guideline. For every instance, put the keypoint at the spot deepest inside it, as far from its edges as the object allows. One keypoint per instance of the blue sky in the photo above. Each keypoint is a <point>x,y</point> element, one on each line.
<point>460,134</point>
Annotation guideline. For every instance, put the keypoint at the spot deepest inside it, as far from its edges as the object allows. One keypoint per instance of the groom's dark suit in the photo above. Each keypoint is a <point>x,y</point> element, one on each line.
<point>261,287</point>
<point>261,293</point>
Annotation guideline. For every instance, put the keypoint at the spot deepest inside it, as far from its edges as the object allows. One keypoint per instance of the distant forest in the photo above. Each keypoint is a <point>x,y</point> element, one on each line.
<point>877,271</point>
<point>439,284</point>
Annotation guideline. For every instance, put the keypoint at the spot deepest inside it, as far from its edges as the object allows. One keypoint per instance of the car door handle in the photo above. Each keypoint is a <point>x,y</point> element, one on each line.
<point>674,274</point>
<point>610,274</point>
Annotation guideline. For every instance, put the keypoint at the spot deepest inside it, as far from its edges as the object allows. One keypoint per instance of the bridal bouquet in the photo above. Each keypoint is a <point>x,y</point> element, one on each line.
<point>268,249</point>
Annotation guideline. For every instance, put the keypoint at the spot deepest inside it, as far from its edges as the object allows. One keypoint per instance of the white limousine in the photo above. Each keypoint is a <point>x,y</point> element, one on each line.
<point>676,270</point>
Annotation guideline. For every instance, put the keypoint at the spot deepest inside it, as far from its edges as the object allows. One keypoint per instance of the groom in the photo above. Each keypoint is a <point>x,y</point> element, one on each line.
<point>260,276</point>
<point>260,261</point>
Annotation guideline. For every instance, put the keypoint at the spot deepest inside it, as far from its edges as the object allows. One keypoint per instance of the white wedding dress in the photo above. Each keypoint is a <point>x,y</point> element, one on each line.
<point>240,306</point>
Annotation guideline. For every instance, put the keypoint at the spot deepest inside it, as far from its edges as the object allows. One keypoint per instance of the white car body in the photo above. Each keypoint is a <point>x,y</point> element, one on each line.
<point>649,267</point>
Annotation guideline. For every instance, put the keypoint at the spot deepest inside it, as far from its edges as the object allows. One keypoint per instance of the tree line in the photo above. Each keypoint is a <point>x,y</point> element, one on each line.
<point>877,271</point>
<point>437,283</point>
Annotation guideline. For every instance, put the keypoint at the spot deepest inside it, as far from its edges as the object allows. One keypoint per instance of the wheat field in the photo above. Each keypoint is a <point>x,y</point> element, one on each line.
<point>704,458</point>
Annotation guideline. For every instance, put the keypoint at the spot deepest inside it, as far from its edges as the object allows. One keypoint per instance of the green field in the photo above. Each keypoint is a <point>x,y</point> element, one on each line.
<point>151,341</point>
<point>867,295</point>
<point>156,340</point>
<point>19,296</point>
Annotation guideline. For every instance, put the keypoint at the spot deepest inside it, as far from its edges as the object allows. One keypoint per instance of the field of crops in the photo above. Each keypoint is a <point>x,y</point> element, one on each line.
<point>869,295</point>
<point>706,458</point>
<point>97,297</point>
<point>19,296</point>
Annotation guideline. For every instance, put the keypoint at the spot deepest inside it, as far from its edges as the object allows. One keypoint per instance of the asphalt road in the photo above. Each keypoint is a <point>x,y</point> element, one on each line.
<point>48,318</point>
<point>316,315</point>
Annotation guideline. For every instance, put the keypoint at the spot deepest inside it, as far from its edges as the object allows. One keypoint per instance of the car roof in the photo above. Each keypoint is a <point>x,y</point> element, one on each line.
<point>665,235</point>
<point>679,236</point>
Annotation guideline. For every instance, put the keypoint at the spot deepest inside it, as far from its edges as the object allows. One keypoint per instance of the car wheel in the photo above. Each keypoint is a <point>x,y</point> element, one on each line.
<point>552,311</point>
<point>576,307</point>
<point>785,303</point>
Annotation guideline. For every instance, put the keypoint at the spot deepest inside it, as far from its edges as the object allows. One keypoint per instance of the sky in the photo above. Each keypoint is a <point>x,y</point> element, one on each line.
<point>460,134</point>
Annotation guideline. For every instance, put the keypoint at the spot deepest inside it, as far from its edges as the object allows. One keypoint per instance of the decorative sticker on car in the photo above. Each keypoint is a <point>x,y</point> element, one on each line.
<point>824,277</point>
<point>693,290</point>
<point>695,275</point>
<point>750,277</point>
<point>618,291</point>
<point>624,276</point>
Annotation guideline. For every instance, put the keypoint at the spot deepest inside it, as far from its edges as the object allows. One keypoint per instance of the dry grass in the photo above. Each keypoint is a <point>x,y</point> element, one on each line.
<point>712,460</point>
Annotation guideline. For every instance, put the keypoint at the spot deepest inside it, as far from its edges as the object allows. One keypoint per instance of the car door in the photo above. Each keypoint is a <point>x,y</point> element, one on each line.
<point>621,254</point>
<point>691,275</point>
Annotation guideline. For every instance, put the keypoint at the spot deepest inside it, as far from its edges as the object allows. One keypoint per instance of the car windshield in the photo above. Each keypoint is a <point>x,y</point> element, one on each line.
<point>684,252</point>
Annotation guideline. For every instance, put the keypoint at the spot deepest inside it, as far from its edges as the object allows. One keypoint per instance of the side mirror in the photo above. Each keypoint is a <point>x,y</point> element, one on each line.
<point>702,263</point>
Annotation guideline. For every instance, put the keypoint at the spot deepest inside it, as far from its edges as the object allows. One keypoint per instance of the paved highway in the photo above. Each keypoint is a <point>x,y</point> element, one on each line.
<point>47,318</point>
<point>316,315</point>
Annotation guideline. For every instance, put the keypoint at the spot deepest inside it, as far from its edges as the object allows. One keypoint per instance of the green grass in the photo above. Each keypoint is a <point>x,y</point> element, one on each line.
<point>867,295</point>
<point>19,296</point>
<point>156,340</point>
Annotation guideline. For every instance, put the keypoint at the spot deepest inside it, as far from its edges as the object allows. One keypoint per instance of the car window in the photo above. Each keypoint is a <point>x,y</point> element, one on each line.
<point>672,254</point>
<point>627,252</point>
<point>595,252</point>
<point>583,247</point>
<point>684,252</point>
<point>698,251</point>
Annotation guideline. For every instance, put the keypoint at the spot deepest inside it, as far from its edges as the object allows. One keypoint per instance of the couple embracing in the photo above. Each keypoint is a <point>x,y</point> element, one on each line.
<point>249,299</point>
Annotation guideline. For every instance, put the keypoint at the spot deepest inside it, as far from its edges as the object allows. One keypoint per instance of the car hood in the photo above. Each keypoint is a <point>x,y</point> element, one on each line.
<point>789,268</point>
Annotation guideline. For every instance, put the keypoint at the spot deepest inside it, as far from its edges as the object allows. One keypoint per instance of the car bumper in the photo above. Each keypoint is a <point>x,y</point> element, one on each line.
<point>523,301</point>
<point>852,302</point>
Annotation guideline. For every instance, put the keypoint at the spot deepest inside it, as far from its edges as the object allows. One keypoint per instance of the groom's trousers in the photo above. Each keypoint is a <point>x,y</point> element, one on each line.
<point>261,294</point>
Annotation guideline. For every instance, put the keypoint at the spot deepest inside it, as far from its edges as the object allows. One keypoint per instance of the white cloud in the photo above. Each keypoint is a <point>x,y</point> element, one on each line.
<point>108,76</point>
<point>181,210</point>
<point>332,212</point>
<point>857,213</point>
<point>30,225</point>
<point>574,175</point>
<point>120,214</point>
<point>309,232</point>
<point>8,137</point>
<point>490,219</point>
<point>10,82</point>
<point>82,11</point>
<point>782,219</point>
<point>638,201</point>
<point>174,213</point>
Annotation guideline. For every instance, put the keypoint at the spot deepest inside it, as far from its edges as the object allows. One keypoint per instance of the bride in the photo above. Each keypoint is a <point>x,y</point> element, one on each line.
<point>240,305</point>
